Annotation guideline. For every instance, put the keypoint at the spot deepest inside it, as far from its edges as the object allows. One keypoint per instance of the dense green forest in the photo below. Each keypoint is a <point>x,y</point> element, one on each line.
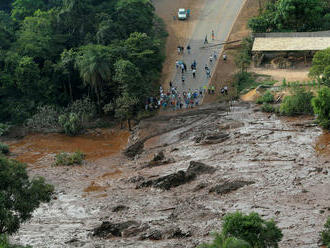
<point>55,52</point>
<point>293,16</point>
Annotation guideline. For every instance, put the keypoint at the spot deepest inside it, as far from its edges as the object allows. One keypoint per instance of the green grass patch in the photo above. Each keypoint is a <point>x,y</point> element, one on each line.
<point>69,159</point>
<point>245,81</point>
<point>4,148</point>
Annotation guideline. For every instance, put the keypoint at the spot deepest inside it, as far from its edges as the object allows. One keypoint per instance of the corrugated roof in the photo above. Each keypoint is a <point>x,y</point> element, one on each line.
<point>290,43</point>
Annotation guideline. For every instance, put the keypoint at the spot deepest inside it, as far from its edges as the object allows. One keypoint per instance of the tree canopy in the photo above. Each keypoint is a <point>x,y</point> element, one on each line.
<point>56,52</point>
<point>293,16</point>
<point>19,196</point>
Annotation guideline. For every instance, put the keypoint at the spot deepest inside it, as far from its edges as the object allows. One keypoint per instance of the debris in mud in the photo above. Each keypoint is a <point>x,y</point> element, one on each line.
<point>170,233</point>
<point>228,187</point>
<point>109,230</point>
<point>178,178</point>
<point>230,125</point>
<point>159,159</point>
<point>200,187</point>
<point>119,208</point>
<point>205,139</point>
<point>135,149</point>
<point>136,179</point>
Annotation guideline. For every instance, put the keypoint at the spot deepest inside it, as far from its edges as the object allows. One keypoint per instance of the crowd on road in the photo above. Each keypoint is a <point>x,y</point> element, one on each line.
<point>174,99</point>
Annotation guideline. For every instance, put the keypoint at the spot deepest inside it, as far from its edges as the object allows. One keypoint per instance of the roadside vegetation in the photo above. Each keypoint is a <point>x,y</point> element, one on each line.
<point>292,16</point>
<point>325,234</point>
<point>56,54</point>
<point>4,148</point>
<point>69,159</point>
<point>246,231</point>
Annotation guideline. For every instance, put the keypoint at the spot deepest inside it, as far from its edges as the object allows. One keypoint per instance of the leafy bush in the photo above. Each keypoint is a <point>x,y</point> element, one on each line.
<point>4,243</point>
<point>84,108</point>
<point>268,108</point>
<point>67,159</point>
<point>251,228</point>
<point>321,106</point>
<point>268,97</point>
<point>298,103</point>
<point>221,241</point>
<point>325,234</point>
<point>4,148</point>
<point>20,196</point>
<point>244,57</point>
<point>45,117</point>
<point>70,123</point>
<point>4,128</point>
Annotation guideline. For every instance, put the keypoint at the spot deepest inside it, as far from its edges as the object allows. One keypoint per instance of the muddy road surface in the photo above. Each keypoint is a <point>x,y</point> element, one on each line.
<point>196,167</point>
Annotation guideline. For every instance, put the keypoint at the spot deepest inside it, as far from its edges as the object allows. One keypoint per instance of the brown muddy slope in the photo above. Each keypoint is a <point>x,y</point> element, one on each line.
<point>260,163</point>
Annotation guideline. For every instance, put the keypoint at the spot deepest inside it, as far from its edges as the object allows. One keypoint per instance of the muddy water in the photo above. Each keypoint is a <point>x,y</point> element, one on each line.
<point>323,144</point>
<point>97,144</point>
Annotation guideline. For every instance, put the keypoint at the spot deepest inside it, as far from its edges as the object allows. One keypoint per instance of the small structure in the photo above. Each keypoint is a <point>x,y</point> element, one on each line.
<point>288,45</point>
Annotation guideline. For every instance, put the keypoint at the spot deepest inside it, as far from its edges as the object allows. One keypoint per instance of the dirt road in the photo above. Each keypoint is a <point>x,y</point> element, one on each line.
<point>219,16</point>
<point>216,15</point>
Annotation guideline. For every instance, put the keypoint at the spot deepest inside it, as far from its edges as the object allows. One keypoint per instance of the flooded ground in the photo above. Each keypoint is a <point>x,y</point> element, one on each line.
<point>287,179</point>
<point>95,144</point>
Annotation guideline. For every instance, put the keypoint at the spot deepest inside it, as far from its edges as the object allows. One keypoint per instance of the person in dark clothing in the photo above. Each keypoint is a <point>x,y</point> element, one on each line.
<point>188,48</point>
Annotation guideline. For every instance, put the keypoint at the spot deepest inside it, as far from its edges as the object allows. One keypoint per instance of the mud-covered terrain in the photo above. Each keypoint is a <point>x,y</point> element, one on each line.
<point>191,168</point>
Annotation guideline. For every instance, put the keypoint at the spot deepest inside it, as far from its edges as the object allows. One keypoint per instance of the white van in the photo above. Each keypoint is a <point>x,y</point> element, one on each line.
<point>182,14</point>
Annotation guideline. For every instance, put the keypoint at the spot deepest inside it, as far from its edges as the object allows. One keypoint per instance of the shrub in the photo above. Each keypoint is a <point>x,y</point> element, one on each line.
<point>70,123</point>
<point>84,108</point>
<point>325,234</point>
<point>321,106</point>
<point>4,128</point>
<point>251,228</point>
<point>4,148</point>
<point>268,97</point>
<point>221,241</point>
<point>4,243</point>
<point>45,117</point>
<point>298,103</point>
<point>268,108</point>
<point>67,159</point>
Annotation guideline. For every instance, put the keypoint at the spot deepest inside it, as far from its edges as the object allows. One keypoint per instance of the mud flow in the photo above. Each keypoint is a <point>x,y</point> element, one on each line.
<point>95,144</point>
<point>198,166</point>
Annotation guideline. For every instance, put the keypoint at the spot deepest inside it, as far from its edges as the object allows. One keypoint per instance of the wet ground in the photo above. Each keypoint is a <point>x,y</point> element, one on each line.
<point>284,159</point>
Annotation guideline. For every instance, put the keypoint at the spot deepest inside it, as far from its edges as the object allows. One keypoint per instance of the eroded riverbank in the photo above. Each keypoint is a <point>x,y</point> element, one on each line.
<point>287,180</point>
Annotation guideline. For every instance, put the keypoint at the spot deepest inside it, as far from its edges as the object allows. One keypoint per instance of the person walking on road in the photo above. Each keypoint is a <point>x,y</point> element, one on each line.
<point>183,79</point>
<point>179,50</point>
<point>211,59</point>
<point>182,68</point>
<point>205,40</point>
<point>188,48</point>
<point>194,73</point>
<point>224,57</point>
<point>212,34</point>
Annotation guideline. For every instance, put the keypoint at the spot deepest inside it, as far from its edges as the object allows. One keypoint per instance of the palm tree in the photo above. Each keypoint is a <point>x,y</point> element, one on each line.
<point>94,67</point>
<point>221,241</point>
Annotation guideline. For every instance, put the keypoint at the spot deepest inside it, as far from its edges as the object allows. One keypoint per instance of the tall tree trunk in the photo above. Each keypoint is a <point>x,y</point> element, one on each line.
<point>129,124</point>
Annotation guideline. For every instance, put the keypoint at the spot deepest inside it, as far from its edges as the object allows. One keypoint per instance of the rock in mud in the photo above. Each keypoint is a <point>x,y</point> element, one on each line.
<point>228,187</point>
<point>159,159</point>
<point>177,233</point>
<point>178,178</point>
<point>216,138</point>
<point>200,168</point>
<point>135,149</point>
<point>108,229</point>
<point>159,156</point>
<point>119,208</point>
<point>152,235</point>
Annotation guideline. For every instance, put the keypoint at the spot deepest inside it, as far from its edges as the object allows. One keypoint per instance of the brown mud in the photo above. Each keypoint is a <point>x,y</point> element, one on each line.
<point>291,183</point>
<point>95,144</point>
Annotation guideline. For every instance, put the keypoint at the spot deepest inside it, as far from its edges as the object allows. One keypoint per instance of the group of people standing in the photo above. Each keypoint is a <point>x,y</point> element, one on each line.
<point>187,98</point>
